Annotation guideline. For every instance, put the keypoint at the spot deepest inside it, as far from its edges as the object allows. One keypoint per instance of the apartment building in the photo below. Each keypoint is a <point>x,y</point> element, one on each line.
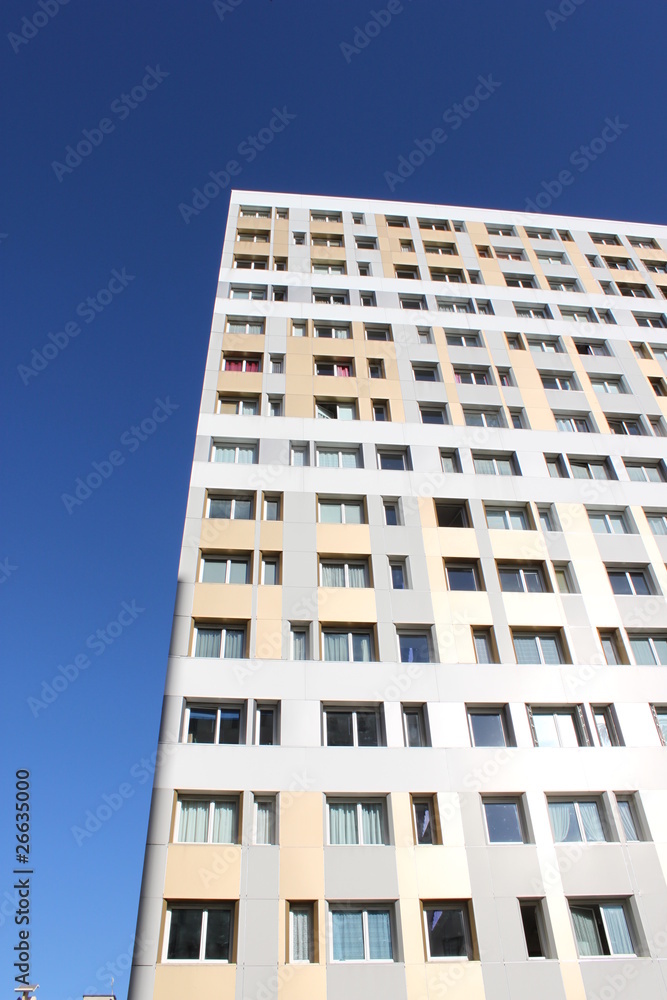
<point>414,732</point>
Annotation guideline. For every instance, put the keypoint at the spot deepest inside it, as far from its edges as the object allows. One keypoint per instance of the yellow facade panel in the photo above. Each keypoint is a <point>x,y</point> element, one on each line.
<point>222,600</point>
<point>203,871</point>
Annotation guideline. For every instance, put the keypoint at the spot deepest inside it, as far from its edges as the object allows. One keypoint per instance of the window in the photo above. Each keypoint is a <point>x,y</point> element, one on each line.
<point>538,647</point>
<point>425,373</point>
<point>452,514</point>
<point>629,426</point>
<point>629,818</point>
<point>471,376</point>
<point>526,579</point>
<point>382,333</point>
<point>396,221</point>
<point>608,522</point>
<point>434,224</point>
<point>565,235</point>
<point>545,345</point>
<point>244,407</point>
<point>576,820</point>
<point>352,727</point>
<point>424,817</point>
<point>519,281</point>
<point>532,312</point>
<point>326,217</point>
<point>510,254</point>
<point>412,301</point>
<point>651,320</point>
<point>360,822</point>
<point>611,386</point>
<point>376,369</point>
<point>271,508</point>
<point>328,267</point>
<point>657,523</point>
<point>462,575</point>
<point>338,458</point>
<point>391,513</point>
<point>557,727</point>
<point>649,650</point>
<point>580,315</point>
<point>424,335</point>
<point>327,241</point>
<point>619,264</point>
<point>595,348</point>
<point>225,641</point>
<point>488,727</point>
<point>444,249</point>
<point>612,647</point>
<point>248,292</point>
<point>299,642</point>
<point>322,297</point>
<point>207,821</point>
<point>394,460</point>
<point>485,647</point>
<point>498,230</point>
<point>660,717</point>
<point>455,305</point>
<point>251,236</point>
<point>196,934</point>
<point>563,285</point>
<point>241,453</point>
<point>447,930</point>
<point>548,519</point>
<point>406,273</point>
<point>606,726</point>
<point>299,239</point>
<point>364,270</point>
<point>415,731</point>
<point>235,325</point>
<point>564,577</point>
<point>601,928</point>
<point>335,573</point>
<point>505,377</point>
<point>340,646</point>
<point>603,239</point>
<point>299,455</point>
<point>644,472</point>
<point>463,340</point>
<point>264,819</point>
<point>540,234</point>
<point>340,369</point>
<point>366,243</point>
<point>571,424</point>
<point>564,383</point>
<point>643,242</point>
<point>433,414</point>
<point>590,469</point>
<point>301,932</point>
<point>217,725</point>
<point>357,219</point>
<point>270,570</point>
<point>658,386</point>
<point>255,213</point>
<point>450,462</point>
<point>483,418</point>
<point>341,512</point>
<point>453,275</point>
<point>629,582</point>
<point>233,569</point>
<point>247,363</point>
<point>380,409</point>
<point>414,647</point>
<point>399,574</point>
<point>332,332</point>
<point>504,820</point>
<point>634,291</point>
<point>656,266</point>
<point>282,213</point>
<point>532,919</point>
<point>493,465</point>
<point>239,508</point>
<point>361,934</point>
<point>556,467</point>
<point>250,263</point>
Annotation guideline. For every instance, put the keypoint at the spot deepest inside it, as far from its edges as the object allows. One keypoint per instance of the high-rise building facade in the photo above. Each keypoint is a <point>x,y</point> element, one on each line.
<point>414,727</point>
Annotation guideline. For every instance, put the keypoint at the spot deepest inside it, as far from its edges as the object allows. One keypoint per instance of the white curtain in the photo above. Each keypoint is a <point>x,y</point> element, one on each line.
<point>335,646</point>
<point>353,513</point>
<point>224,823</point>
<point>564,822</point>
<point>333,575</point>
<point>620,941</point>
<point>301,934</point>
<point>586,931</point>
<point>208,642</point>
<point>361,647</point>
<point>234,643</point>
<point>550,649</point>
<point>328,459</point>
<point>628,821</point>
<point>215,571</point>
<point>590,819</point>
<point>223,454</point>
<point>299,645</point>
<point>343,823</point>
<point>330,513</point>
<point>348,935</point>
<point>372,822</point>
<point>193,827</point>
<point>265,821</point>
<point>484,466</point>
<point>350,460</point>
<point>526,649</point>
<point>357,575</point>
<point>246,455</point>
<point>379,934</point>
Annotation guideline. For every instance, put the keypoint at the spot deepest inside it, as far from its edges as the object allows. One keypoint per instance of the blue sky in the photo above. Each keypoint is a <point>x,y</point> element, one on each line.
<point>109,229</point>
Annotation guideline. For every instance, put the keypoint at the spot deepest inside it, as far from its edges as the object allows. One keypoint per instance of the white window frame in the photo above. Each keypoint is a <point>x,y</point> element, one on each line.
<point>359,804</point>
<point>237,557</point>
<point>575,714</point>
<point>346,564</point>
<point>495,459</point>
<point>237,706</point>
<point>353,709</point>
<point>237,446</point>
<point>334,332</point>
<point>271,560</point>
<point>233,500</point>
<point>212,802</point>
<point>309,907</point>
<point>343,504</point>
<point>467,338</point>
<point>538,636</point>
<point>522,569</point>
<point>256,293</point>
<point>244,361</point>
<point>252,402</point>
<point>247,323</point>
<point>364,908</point>
<point>507,513</point>
<point>223,629</point>
<point>273,799</point>
<point>419,711</point>
<point>263,706</point>
<point>577,811</point>
<point>332,630</point>
<point>449,905</point>
<point>204,909</point>
<point>339,452</point>
<point>628,572</point>
<point>304,630</point>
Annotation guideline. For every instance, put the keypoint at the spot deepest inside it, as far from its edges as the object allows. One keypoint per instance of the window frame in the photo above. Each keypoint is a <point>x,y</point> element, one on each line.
<point>463,906</point>
<point>203,908</point>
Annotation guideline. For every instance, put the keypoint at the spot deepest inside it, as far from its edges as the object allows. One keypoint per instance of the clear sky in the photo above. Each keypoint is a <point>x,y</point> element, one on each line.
<point>107,227</point>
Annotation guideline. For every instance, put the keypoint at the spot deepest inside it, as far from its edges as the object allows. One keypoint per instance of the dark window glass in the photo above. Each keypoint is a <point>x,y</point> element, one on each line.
<point>266,727</point>
<point>423,823</point>
<point>503,822</point>
<point>339,729</point>
<point>462,578</point>
<point>230,725</point>
<point>367,729</point>
<point>531,930</point>
<point>487,729</point>
<point>202,726</point>
<point>184,934</point>
<point>414,649</point>
<point>446,933</point>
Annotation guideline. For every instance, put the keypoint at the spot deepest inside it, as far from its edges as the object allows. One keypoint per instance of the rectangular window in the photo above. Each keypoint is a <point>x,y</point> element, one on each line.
<point>235,325</point>
<point>415,731</point>
<point>195,934</point>
<point>207,821</point>
<point>265,820</point>
<point>425,373</point>
<point>341,512</point>
<point>463,575</point>
<point>332,410</point>
<point>414,647</point>
<point>562,383</point>
<point>399,574</point>
<point>352,727</point>
<point>227,641</point>
<point>488,727</point>
<point>629,818</point>
<point>612,648</point>
<point>649,650</point>
<point>241,453</point>
<point>222,724</point>
<point>522,579</point>
<point>376,369</point>
<point>301,932</point>
<point>644,472</point>
<point>391,513</point>
<point>601,928</point>
<point>538,647</point>
<point>395,460</point>
<point>504,820</point>
<point>357,822</point>
<point>572,424</point>
<point>463,339</point>
<point>239,508</point>
<point>590,469</point>
<point>494,465</point>
<point>243,407</point>
<point>629,582</point>
<point>272,507</point>
<point>657,523</point>
<point>447,930</point>
<point>606,726</point>
<point>248,292</point>
<point>338,573</point>
<point>557,727</point>
<point>433,414</point>
<point>299,642</point>
<point>361,934</point>
<point>576,820</point>
<point>483,418</point>
<point>233,569</point>
<point>267,725</point>
<point>452,514</point>
<point>424,817</point>
<point>485,647</point>
<point>507,518</point>
<point>338,458</point>
<point>471,376</point>
<point>378,333</point>
<point>532,919</point>
<point>450,462</point>
<point>340,646</point>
